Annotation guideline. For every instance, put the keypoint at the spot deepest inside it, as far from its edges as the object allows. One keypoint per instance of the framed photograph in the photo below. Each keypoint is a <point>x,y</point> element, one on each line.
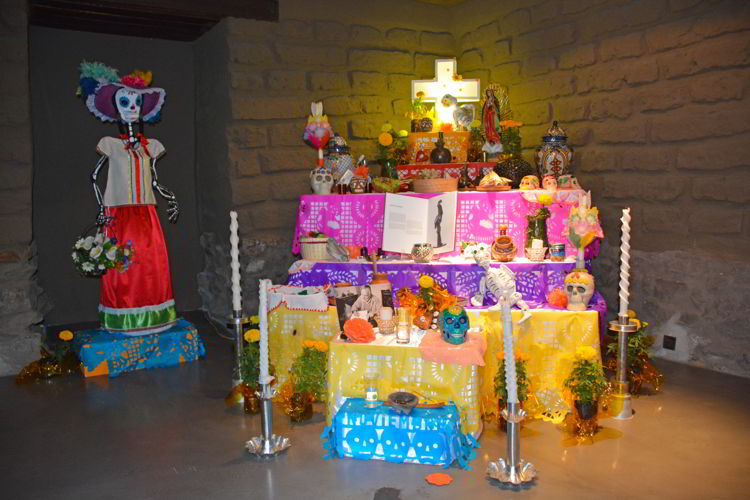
<point>363,301</point>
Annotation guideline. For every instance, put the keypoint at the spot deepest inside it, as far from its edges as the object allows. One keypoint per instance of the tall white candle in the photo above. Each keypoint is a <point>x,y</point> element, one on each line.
<point>625,262</point>
<point>234,240</point>
<point>263,313</point>
<point>511,383</point>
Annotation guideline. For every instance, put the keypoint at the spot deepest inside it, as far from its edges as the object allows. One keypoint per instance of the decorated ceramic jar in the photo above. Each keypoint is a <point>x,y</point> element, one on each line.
<point>441,154</point>
<point>338,159</point>
<point>503,249</point>
<point>358,185</point>
<point>422,252</point>
<point>554,156</point>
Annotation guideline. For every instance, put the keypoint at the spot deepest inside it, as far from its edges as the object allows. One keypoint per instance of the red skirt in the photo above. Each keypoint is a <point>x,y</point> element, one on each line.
<point>139,300</point>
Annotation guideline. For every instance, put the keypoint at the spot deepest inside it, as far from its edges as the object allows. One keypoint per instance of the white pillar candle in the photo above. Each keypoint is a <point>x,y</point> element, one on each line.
<point>510,360</point>
<point>234,240</point>
<point>536,243</point>
<point>625,262</point>
<point>386,314</point>
<point>263,313</point>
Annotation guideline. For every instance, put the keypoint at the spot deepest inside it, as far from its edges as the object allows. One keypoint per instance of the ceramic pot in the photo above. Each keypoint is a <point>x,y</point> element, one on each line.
<point>503,249</point>
<point>441,154</point>
<point>586,410</point>
<point>299,408</point>
<point>554,156</point>
<point>358,185</point>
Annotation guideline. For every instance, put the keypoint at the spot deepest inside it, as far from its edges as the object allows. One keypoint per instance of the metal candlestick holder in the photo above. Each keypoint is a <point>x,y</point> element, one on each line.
<point>622,401</point>
<point>514,470</point>
<point>267,444</point>
<point>238,321</point>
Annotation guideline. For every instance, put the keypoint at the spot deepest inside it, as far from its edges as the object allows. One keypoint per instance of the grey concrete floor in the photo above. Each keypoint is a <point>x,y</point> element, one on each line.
<point>167,434</point>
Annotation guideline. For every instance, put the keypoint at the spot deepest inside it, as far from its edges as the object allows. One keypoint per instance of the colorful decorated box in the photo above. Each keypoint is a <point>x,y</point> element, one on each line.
<point>425,436</point>
<point>107,353</point>
<point>456,142</point>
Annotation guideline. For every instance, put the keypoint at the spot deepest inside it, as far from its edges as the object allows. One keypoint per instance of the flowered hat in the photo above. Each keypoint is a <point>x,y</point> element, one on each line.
<point>99,83</point>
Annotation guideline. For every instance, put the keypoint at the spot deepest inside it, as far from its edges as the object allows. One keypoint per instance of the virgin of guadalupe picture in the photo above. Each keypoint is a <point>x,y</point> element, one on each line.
<point>138,301</point>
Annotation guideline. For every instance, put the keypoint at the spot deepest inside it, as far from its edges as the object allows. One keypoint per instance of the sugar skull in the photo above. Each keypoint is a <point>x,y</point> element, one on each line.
<point>321,180</point>
<point>579,288</point>
<point>549,183</point>
<point>473,249</point>
<point>128,103</point>
<point>454,322</point>
<point>529,182</point>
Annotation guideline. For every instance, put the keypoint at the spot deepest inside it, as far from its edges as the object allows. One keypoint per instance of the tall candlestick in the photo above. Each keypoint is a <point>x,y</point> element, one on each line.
<point>263,313</point>
<point>625,262</point>
<point>510,361</point>
<point>234,240</point>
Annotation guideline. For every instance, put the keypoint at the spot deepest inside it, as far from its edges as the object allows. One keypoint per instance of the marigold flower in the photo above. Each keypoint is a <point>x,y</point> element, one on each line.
<point>252,335</point>
<point>385,139</point>
<point>65,335</point>
<point>387,127</point>
<point>426,281</point>
<point>586,352</point>
<point>255,319</point>
<point>403,133</point>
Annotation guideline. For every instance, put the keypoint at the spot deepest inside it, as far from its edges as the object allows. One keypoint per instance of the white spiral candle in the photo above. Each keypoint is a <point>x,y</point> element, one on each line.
<point>625,262</point>
<point>263,313</point>
<point>510,360</point>
<point>234,240</point>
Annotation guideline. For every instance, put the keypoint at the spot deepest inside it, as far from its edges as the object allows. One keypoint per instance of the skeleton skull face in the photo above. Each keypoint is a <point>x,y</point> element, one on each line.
<point>579,288</point>
<point>321,181</point>
<point>455,323</point>
<point>529,182</point>
<point>128,104</point>
<point>549,183</point>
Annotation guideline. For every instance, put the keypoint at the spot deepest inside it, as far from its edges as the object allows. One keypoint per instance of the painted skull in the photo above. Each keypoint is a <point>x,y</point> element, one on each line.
<point>549,183</point>
<point>529,182</point>
<point>568,182</point>
<point>128,104</point>
<point>454,322</point>
<point>321,181</point>
<point>579,288</point>
<point>472,250</point>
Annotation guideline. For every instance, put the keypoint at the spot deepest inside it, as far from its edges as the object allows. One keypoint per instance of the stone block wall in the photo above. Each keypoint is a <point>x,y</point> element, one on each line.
<point>20,297</point>
<point>655,96</point>
<point>259,79</point>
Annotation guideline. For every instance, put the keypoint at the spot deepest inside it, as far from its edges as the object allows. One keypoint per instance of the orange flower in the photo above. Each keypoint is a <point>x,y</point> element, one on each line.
<point>438,479</point>
<point>66,335</point>
<point>420,94</point>
<point>510,123</point>
<point>522,356</point>
<point>359,330</point>
<point>385,139</point>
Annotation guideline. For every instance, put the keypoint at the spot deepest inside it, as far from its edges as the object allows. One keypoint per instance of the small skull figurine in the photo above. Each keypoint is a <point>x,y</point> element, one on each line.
<point>529,182</point>
<point>566,182</point>
<point>321,181</point>
<point>579,288</point>
<point>549,183</point>
<point>454,322</point>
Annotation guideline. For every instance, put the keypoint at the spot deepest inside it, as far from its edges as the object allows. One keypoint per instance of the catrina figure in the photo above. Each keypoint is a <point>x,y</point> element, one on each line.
<point>139,301</point>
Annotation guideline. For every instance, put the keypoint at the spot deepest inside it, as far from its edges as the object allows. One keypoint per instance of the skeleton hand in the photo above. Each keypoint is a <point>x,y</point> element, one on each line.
<point>173,211</point>
<point>101,219</point>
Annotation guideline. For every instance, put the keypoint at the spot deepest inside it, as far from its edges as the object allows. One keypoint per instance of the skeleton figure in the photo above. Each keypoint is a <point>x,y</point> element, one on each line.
<point>501,281</point>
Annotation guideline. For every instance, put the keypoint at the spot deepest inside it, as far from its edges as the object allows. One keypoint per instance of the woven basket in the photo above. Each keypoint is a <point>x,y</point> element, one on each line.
<point>435,185</point>
<point>536,254</point>
<point>314,248</point>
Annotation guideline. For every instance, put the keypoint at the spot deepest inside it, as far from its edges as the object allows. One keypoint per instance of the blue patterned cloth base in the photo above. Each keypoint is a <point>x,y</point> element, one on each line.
<point>103,352</point>
<point>425,436</point>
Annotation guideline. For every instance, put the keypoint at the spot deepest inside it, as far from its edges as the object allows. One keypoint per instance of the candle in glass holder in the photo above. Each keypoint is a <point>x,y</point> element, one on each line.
<point>371,390</point>
<point>403,332</point>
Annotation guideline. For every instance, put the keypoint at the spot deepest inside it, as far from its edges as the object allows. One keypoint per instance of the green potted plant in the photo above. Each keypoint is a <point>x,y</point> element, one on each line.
<point>522,384</point>
<point>640,369</point>
<point>308,377</point>
<point>391,145</point>
<point>250,369</point>
<point>586,382</point>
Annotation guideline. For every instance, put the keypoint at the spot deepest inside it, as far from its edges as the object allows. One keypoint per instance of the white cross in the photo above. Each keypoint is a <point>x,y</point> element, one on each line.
<point>443,83</point>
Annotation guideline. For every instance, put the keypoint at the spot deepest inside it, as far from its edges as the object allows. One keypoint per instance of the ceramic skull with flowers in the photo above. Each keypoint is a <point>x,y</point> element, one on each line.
<point>138,299</point>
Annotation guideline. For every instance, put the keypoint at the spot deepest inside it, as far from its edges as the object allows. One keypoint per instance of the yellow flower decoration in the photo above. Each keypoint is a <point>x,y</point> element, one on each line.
<point>420,94</point>
<point>522,356</point>
<point>322,346</point>
<point>252,335</point>
<point>546,199</point>
<point>637,323</point>
<point>403,133</point>
<point>255,319</point>
<point>385,139</point>
<point>387,127</point>
<point>500,355</point>
<point>426,281</point>
<point>65,335</point>
<point>586,352</point>
<point>631,313</point>
<point>476,124</point>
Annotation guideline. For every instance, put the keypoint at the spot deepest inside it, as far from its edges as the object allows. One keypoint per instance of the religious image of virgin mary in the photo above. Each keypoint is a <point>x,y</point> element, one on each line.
<point>438,223</point>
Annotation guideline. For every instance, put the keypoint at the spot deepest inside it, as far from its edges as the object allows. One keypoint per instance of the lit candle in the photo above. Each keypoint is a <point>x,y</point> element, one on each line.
<point>510,360</point>
<point>263,313</point>
<point>625,262</point>
<point>234,240</point>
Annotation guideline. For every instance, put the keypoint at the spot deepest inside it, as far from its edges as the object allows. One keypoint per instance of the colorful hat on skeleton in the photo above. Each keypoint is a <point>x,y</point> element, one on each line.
<point>99,83</point>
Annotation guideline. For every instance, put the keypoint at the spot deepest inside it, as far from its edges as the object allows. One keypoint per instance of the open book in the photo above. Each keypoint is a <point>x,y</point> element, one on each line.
<point>410,220</point>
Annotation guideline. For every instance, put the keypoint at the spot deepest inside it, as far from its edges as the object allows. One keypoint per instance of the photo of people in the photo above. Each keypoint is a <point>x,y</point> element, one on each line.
<point>364,301</point>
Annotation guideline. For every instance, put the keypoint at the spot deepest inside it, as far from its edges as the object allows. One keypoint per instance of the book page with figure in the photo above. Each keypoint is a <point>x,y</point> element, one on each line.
<point>441,222</point>
<point>405,222</point>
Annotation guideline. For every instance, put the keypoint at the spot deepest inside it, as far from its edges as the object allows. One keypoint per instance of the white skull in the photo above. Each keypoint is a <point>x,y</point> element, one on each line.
<point>128,104</point>
<point>321,181</point>
<point>579,288</point>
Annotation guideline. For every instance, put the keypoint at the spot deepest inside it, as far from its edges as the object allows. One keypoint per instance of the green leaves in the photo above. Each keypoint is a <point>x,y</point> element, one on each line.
<point>587,381</point>
<point>309,372</point>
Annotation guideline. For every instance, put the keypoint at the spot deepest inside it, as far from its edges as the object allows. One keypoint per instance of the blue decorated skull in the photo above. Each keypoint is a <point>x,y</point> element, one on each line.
<point>454,322</point>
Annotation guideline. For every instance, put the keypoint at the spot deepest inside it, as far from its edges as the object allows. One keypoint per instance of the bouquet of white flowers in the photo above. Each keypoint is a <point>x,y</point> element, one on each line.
<point>95,255</point>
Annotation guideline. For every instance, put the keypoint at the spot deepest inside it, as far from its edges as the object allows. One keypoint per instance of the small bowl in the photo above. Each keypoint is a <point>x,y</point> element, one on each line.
<point>536,254</point>
<point>386,326</point>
